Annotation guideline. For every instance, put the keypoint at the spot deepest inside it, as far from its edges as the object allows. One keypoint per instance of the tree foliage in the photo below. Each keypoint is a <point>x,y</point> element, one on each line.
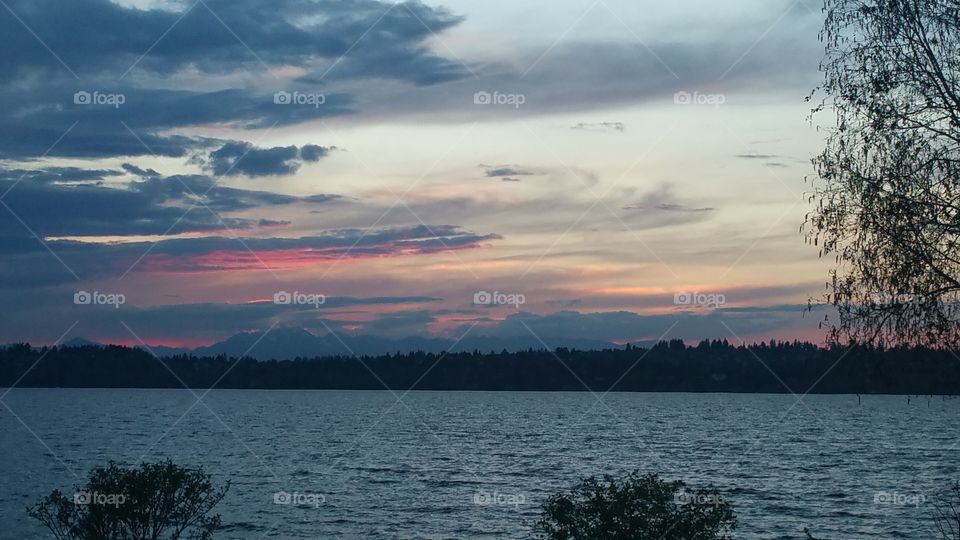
<point>710,366</point>
<point>640,507</point>
<point>887,197</point>
<point>946,513</point>
<point>158,501</point>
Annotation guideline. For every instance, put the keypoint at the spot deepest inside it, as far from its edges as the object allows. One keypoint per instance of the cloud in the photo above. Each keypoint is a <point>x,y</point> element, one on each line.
<point>177,68</point>
<point>312,152</point>
<point>220,36</point>
<point>242,158</point>
<point>662,199</point>
<point>493,171</point>
<point>143,173</point>
<point>55,206</point>
<point>600,126</point>
<point>217,253</point>
<point>621,326</point>
<point>61,175</point>
<point>757,156</point>
<point>198,322</point>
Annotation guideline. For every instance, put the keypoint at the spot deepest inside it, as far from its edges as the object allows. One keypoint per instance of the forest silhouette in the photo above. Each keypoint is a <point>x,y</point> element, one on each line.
<point>710,366</point>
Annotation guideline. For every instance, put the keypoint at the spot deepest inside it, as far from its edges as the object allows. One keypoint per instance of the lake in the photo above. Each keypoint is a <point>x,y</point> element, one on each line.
<point>480,464</point>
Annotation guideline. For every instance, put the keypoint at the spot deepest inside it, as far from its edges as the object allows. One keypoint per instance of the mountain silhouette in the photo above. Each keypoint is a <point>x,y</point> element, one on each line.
<point>292,342</point>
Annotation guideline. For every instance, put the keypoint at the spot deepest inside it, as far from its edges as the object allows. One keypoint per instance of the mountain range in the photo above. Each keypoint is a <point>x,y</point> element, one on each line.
<point>289,343</point>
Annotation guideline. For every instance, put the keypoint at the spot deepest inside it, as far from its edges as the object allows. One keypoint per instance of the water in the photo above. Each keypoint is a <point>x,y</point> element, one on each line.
<point>417,469</point>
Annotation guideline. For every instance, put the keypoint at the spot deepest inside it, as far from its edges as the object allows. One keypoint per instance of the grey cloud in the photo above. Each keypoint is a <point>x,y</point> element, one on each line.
<point>144,173</point>
<point>29,264</point>
<point>215,37</point>
<point>52,206</point>
<point>313,152</point>
<point>621,326</point>
<point>662,199</point>
<point>242,158</point>
<point>60,175</point>
<point>757,156</point>
<point>225,35</point>
<point>611,73</point>
<point>599,126</point>
<point>213,321</point>
<point>493,171</point>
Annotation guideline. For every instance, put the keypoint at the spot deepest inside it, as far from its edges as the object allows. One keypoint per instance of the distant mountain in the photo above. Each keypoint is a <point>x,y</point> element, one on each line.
<point>80,342</point>
<point>288,343</point>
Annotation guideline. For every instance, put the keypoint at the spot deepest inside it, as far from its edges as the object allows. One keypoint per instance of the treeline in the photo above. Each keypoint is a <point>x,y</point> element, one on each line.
<point>714,366</point>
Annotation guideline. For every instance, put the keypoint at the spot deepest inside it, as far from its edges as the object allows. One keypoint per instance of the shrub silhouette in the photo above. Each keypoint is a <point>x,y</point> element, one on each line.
<point>158,501</point>
<point>640,507</point>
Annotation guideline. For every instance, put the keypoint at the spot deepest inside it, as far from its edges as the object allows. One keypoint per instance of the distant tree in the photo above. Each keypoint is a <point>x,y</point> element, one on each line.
<point>639,507</point>
<point>157,501</point>
<point>887,200</point>
<point>946,513</point>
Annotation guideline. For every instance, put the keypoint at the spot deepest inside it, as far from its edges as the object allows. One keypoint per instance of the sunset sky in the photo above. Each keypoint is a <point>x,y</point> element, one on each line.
<point>597,157</point>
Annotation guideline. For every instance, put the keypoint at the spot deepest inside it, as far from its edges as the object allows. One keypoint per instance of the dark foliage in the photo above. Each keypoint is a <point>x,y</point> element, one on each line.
<point>669,366</point>
<point>639,507</point>
<point>946,513</point>
<point>158,501</point>
<point>888,189</point>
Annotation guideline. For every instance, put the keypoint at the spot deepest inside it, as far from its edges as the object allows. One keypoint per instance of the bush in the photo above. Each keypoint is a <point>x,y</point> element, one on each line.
<point>156,501</point>
<point>641,507</point>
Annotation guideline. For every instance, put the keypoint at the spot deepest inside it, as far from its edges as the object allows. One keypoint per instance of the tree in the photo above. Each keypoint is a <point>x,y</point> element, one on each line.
<point>887,197</point>
<point>641,507</point>
<point>946,513</point>
<point>157,501</point>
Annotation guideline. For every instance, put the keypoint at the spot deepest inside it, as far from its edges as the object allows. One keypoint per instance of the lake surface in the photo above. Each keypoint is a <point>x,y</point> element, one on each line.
<point>480,464</point>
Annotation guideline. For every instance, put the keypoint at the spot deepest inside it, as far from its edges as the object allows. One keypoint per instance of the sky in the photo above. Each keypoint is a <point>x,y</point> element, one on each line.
<point>174,173</point>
